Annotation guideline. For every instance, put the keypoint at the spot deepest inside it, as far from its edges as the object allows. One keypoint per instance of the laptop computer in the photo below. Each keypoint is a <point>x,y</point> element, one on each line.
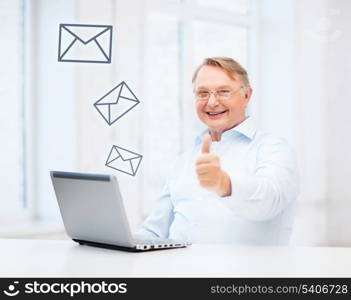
<point>93,213</point>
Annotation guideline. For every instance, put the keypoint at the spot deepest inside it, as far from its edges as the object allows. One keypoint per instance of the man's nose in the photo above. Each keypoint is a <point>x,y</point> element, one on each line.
<point>212,101</point>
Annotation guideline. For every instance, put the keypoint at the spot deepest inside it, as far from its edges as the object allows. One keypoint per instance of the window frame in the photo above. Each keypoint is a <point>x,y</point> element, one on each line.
<point>26,212</point>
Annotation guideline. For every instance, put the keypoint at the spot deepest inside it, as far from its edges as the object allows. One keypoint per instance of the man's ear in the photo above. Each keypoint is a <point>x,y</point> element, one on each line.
<point>247,93</point>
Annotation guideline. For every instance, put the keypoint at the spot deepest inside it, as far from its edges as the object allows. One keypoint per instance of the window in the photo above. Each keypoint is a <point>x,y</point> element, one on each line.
<point>161,140</point>
<point>12,159</point>
<point>31,113</point>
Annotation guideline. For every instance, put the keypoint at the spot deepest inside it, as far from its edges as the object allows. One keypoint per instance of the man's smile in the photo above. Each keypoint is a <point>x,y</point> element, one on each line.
<point>216,114</point>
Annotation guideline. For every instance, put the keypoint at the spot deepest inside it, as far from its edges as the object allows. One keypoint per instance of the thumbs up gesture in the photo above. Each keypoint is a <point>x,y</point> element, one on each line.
<point>209,172</point>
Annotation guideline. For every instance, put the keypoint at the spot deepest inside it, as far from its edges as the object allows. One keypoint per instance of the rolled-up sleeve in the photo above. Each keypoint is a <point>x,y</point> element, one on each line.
<point>269,187</point>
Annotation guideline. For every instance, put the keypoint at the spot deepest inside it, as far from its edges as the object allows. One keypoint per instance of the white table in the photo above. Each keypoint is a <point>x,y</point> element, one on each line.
<point>64,258</point>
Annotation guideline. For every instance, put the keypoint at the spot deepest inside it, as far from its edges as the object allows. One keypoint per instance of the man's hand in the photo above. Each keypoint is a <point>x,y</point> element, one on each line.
<point>209,172</point>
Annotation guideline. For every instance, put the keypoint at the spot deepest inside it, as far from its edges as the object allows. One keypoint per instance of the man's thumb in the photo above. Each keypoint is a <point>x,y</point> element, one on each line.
<point>206,144</point>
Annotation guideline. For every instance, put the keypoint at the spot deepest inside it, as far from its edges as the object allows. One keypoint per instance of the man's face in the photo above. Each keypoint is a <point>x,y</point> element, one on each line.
<point>220,115</point>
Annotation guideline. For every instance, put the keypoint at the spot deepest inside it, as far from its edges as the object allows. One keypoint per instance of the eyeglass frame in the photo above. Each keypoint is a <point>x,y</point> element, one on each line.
<point>215,93</point>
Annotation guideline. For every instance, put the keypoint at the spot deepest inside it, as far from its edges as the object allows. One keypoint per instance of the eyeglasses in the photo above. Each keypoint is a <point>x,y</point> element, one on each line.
<point>222,94</point>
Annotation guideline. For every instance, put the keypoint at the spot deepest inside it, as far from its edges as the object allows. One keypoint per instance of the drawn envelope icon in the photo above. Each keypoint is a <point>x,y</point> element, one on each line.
<point>85,43</point>
<point>116,103</point>
<point>123,160</point>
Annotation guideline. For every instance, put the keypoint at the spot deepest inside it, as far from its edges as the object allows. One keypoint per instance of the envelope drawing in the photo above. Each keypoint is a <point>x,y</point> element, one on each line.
<point>85,43</point>
<point>123,160</point>
<point>116,103</point>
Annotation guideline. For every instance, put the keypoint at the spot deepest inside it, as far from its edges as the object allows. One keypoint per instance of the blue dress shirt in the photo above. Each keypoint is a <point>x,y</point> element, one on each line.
<point>260,209</point>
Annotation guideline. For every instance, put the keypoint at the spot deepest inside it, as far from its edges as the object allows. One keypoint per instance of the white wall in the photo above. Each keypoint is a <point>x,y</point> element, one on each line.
<point>310,117</point>
<point>322,43</point>
<point>338,122</point>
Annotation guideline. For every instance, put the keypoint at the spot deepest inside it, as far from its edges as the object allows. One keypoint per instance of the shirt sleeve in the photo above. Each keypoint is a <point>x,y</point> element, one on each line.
<point>273,185</point>
<point>158,222</point>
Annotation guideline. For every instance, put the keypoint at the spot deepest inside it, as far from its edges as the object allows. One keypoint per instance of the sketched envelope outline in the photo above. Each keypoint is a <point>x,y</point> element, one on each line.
<point>98,38</point>
<point>116,103</point>
<point>123,160</point>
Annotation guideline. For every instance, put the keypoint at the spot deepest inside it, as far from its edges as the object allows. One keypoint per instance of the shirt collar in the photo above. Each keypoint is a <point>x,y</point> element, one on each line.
<point>246,128</point>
